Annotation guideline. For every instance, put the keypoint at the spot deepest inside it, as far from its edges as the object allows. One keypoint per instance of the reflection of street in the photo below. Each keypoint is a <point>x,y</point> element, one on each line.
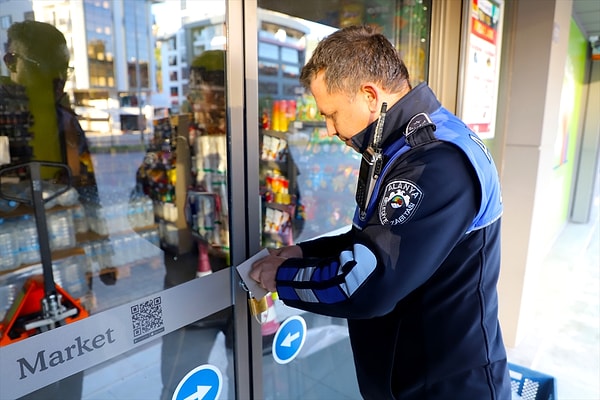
<point>327,177</point>
<point>115,171</point>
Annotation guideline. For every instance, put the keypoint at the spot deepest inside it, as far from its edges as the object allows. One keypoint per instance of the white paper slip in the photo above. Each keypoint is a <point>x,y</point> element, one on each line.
<point>244,269</point>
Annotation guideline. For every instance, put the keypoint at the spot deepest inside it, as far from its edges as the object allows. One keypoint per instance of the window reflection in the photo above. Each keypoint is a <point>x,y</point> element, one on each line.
<point>141,123</point>
<point>306,176</point>
<point>98,20</point>
<point>128,138</point>
<point>268,68</point>
<point>291,71</point>
<point>290,55</point>
<point>269,51</point>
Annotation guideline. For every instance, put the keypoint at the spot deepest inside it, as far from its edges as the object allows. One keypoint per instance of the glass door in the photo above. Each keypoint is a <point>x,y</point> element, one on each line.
<point>115,219</point>
<point>307,180</point>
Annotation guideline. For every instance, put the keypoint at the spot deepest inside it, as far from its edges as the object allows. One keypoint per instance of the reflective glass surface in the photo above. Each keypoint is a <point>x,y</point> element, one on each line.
<point>308,179</point>
<point>128,212</point>
<point>113,168</point>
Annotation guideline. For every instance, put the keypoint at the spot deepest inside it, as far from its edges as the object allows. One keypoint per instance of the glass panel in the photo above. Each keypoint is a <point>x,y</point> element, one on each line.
<point>308,179</point>
<point>129,122</point>
<point>405,22</point>
<point>268,68</point>
<point>289,55</point>
<point>153,370</point>
<point>269,51</point>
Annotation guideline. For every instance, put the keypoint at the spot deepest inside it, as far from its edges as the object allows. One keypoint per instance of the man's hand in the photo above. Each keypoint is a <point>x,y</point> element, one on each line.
<point>264,270</point>
<point>287,252</point>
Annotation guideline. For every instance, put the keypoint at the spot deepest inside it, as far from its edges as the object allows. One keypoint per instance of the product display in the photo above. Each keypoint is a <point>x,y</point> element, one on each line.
<point>296,179</point>
<point>15,121</point>
<point>184,172</point>
<point>97,240</point>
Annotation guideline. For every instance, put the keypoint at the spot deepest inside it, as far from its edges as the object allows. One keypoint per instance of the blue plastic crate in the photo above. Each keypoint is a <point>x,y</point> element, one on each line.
<point>528,384</point>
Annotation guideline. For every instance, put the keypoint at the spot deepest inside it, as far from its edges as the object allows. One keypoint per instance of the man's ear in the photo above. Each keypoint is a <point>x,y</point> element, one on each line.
<point>371,93</point>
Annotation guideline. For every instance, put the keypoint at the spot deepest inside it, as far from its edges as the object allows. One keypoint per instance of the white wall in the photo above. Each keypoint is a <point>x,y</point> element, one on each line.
<point>536,67</point>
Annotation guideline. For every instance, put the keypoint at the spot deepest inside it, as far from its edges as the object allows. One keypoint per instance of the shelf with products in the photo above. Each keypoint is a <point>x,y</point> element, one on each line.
<point>69,269</point>
<point>16,121</point>
<point>283,212</point>
<point>117,260</point>
<point>19,237</point>
<point>105,236</point>
<point>203,201</point>
<point>71,229</point>
<point>327,181</point>
<point>320,170</point>
<point>188,186</point>
<point>56,255</point>
<point>20,210</point>
<point>163,177</point>
<point>278,190</point>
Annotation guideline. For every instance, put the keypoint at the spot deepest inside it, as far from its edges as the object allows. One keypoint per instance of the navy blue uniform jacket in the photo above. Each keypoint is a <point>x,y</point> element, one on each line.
<point>416,278</point>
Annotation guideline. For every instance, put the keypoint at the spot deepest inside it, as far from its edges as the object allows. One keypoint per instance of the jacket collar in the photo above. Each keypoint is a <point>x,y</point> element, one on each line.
<point>420,99</point>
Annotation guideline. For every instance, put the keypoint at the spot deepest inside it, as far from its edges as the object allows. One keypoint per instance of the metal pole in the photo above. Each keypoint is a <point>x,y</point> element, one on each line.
<point>42,228</point>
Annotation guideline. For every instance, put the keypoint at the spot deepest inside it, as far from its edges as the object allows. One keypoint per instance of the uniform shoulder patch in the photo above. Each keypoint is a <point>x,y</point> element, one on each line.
<point>399,202</point>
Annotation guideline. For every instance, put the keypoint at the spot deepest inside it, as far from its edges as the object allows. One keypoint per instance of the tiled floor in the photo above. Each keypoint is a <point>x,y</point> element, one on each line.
<point>566,340</point>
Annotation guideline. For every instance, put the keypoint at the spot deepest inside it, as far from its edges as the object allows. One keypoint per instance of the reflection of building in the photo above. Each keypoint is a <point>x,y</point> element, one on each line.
<point>11,11</point>
<point>174,69</point>
<point>281,54</point>
<point>111,48</point>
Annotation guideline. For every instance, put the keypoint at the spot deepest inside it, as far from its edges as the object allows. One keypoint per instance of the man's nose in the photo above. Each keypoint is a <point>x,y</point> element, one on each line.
<point>331,131</point>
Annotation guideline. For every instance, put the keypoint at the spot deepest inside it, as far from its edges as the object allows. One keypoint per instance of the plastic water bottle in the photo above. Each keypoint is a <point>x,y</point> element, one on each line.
<point>61,230</point>
<point>132,212</point>
<point>148,211</point>
<point>80,219</point>
<point>9,246</point>
<point>29,246</point>
<point>8,205</point>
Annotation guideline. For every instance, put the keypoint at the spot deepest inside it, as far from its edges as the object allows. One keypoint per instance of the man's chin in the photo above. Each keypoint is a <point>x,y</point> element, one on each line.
<point>350,144</point>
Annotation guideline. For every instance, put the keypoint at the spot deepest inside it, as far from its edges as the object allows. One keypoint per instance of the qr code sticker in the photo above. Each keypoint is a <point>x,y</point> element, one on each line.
<point>147,319</point>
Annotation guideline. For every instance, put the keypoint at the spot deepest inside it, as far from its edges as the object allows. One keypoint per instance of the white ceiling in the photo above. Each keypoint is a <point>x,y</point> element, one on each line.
<point>587,15</point>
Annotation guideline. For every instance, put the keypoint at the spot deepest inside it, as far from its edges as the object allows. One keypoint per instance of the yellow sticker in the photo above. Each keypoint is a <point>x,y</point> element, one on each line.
<point>257,306</point>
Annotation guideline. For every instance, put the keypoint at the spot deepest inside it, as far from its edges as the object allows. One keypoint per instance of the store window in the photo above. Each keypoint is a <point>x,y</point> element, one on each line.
<point>133,193</point>
<point>5,21</point>
<point>269,51</point>
<point>290,55</point>
<point>268,68</point>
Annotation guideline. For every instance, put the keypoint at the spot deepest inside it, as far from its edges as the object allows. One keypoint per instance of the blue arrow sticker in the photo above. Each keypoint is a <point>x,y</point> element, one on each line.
<point>201,383</point>
<point>289,339</point>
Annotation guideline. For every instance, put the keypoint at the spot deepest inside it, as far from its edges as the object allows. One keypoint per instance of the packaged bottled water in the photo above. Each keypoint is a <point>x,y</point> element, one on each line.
<point>80,219</point>
<point>9,246</point>
<point>148,211</point>
<point>96,220</point>
<point>61,230</point>
<point>8,205</point>
<point>29,246</point>
<point>135,212</point>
